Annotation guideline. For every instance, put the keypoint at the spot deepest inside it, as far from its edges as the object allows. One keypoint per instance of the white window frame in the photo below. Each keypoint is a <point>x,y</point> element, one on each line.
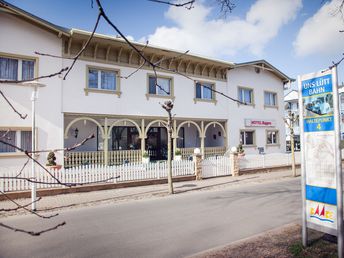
<point>18,132</point>
<point>274,96</point>
<point>157,89</point>
<point>241,88</point>
<point>277,137</point>
<point>99,88</point>
<point>20,60</point>
<point>202,99</point>
<point>253,137</point>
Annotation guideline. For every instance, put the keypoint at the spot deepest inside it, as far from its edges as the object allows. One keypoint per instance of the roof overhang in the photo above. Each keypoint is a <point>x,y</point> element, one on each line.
<point>264,65</point>
<point>118,41</point>
<point>11,9</point>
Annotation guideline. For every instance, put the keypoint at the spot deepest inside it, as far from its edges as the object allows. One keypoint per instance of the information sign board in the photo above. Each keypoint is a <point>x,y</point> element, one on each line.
<point>321,165</point>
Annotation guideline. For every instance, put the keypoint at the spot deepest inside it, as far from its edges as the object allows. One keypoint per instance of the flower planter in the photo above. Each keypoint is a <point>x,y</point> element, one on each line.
<point>145,160</point>
<point>55,167</point>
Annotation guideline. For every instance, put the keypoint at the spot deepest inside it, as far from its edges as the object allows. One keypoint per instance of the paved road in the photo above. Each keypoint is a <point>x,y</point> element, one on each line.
<point>174,226</point>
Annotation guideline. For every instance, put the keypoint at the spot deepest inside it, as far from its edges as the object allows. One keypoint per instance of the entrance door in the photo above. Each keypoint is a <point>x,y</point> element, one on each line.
<point>156,143</point>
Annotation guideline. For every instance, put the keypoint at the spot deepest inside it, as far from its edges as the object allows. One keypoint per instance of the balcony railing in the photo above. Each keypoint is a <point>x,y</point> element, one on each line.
<point>118,157</point>
<point>79,158</point>
<point>214,151</point>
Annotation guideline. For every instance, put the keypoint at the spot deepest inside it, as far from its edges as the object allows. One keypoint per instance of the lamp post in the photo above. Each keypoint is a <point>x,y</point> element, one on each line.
<point>34,96</point>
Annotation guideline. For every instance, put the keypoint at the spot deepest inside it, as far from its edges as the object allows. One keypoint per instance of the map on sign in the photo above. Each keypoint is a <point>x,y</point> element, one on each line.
<point>318,147</point>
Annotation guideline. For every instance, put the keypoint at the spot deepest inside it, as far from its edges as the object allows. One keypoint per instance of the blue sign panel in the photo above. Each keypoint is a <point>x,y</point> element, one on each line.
<point>318,85</point>
<point>317,124</point>
<point>321,194</point>
<point>318,104</point>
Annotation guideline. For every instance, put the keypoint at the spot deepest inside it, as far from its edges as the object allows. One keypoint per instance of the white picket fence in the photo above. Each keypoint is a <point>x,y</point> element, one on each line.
<point>216,166</point>
<point>94,174</point>
<point>268,160</point>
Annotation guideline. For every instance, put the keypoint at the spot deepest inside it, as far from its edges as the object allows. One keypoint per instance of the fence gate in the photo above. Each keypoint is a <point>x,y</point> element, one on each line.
<point>216,166</point>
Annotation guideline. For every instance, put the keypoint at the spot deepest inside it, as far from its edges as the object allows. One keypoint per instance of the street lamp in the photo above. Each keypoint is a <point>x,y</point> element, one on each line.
<point>34,96</point>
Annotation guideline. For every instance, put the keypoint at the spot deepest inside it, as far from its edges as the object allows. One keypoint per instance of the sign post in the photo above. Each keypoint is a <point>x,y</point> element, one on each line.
<point>321,166</point>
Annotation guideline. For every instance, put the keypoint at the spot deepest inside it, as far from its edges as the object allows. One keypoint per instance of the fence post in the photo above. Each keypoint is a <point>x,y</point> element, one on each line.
<point>234,163</point>
<point>197,158</point>
<point>2,183</point>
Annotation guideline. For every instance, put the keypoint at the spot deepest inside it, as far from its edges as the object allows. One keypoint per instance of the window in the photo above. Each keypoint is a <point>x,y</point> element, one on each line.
<point>20,138</point>
<point>204,90</point>
<point>272,137</point>
<point>102,79</point>
<point>160,86</point>
<point>247,137</point>
<point>16,69</point>
<point>246,95</point>
<point>270,99</point>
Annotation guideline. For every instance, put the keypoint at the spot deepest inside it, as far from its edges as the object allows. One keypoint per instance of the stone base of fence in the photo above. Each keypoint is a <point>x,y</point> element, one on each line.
<point>198,166</point>
<point>94,187</point>
<point>269,169</point>
<point>234,161</point>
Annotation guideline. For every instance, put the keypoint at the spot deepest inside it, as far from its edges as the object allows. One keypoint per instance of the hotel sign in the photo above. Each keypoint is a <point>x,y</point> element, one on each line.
<point>259,123</point>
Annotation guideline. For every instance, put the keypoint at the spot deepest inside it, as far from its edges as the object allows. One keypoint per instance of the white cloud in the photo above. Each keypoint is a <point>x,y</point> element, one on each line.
<point>320,33</point>
<point>194,31</point>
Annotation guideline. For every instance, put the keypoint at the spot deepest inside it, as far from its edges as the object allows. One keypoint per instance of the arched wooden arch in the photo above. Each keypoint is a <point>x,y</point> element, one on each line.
<point>189,122</point>
<point>153,122</point>
<point>125,120</point>
<point>216,123</point>
<point>84,118</point>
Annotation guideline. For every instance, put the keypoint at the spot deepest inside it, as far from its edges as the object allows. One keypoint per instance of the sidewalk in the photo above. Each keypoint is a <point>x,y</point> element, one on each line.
<point>64,201</point>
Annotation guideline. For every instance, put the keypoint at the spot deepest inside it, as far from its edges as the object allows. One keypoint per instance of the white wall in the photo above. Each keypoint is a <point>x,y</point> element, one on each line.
<point>22,38</point>
<point>133,99</point>
<point>260,82</point>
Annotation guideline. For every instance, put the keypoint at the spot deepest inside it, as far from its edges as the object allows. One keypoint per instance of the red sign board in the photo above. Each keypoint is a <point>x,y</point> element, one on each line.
<point>257,122</point>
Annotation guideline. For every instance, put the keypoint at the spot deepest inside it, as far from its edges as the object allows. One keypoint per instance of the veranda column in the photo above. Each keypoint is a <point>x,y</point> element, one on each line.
<point>143,139</point>
<point>202,139</point>
<point>175,136</point>
<point>106,143</point>
<point>225,137</point>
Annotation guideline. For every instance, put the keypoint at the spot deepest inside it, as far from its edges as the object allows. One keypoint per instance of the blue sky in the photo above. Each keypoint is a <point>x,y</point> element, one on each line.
<point>296,36</point>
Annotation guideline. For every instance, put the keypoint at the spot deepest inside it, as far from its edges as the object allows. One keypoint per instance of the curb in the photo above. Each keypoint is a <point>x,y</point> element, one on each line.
<point>213,251</point>
<point>89,188</point>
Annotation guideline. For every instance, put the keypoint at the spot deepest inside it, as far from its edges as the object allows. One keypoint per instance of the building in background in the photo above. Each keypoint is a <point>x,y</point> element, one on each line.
<point>291,101</point>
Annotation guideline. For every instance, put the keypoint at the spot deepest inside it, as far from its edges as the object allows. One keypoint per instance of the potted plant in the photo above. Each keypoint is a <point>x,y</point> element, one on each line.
<point>241,151</point>
<point>177,155</point>
<point>51,161</point>
<point>145,157</point>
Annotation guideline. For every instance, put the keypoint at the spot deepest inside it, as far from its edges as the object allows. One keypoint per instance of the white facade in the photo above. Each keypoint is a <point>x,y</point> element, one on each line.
<point>21,41</point>
<point>62,101</point>
<point>260,82</point>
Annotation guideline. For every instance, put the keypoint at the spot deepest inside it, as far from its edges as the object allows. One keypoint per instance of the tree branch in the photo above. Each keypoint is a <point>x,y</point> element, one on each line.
<point>188,5</point>
<point>13,108</point>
